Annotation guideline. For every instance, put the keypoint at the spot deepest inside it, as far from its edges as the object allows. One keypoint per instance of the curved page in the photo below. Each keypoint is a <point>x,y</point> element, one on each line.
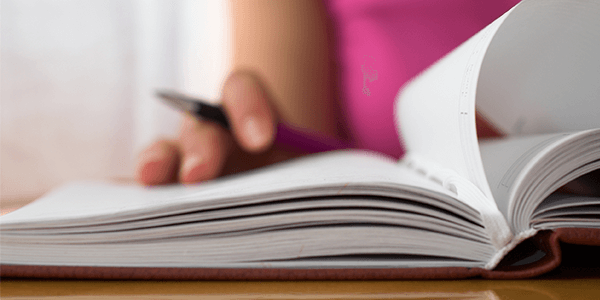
<point>541,72</point>
<point>436,111</point>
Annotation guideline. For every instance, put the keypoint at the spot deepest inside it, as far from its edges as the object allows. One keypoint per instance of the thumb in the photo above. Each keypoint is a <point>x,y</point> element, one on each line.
<point>248,106</point>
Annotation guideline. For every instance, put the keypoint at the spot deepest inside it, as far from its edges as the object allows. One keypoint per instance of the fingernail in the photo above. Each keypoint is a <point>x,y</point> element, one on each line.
<point>256,132</point>
<point>189,164</point>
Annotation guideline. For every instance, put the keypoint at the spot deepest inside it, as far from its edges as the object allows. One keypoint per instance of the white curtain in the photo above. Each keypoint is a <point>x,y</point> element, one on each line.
<point>78,79</point>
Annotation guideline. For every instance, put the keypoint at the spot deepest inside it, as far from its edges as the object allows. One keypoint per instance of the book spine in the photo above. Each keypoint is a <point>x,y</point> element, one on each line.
<point>467,192</point>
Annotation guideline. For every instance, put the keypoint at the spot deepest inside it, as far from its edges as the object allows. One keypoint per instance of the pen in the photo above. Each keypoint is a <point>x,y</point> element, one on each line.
<point>287,136</point>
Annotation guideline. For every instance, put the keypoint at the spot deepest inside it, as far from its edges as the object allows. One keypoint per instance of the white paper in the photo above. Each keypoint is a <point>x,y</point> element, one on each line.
<point>541,72</point>
<point>84,202</point>
<point>436,112</point>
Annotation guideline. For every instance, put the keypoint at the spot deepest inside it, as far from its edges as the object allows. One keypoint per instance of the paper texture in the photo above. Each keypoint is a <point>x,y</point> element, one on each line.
<point>541,71</point>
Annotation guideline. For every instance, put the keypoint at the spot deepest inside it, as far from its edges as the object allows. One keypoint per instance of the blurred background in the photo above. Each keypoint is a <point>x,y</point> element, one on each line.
<point>78,79</point>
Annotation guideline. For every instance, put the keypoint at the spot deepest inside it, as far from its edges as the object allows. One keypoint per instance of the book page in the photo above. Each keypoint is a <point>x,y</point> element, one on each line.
<point>567,210</point>
<point>339,172</point>
<point>358,206</point>
<point>541,71</point>
<point>524,171</point>
<point>504,160</point>
<point>436,111</point>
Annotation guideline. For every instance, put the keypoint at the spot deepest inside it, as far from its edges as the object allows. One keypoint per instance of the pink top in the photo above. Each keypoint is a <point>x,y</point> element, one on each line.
<point>382,44</point>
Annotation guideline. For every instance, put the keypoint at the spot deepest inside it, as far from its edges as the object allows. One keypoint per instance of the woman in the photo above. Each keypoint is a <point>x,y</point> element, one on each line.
<point>332,67</point>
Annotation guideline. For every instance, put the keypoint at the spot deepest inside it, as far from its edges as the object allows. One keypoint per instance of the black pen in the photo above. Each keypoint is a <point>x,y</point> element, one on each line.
<point>296,139</point>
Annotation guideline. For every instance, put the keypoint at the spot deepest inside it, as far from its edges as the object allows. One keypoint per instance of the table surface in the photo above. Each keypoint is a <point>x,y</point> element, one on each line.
<point>572,280</point>
<point>463,289</point>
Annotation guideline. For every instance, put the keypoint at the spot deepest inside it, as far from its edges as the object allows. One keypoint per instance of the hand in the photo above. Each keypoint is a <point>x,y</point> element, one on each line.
<point>204,150</point>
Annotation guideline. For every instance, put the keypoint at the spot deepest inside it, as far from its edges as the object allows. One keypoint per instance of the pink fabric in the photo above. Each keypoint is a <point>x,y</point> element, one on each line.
<point>381,44</point>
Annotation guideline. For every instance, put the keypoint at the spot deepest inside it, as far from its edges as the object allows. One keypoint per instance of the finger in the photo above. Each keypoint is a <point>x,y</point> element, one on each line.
<point>204,148</point>
<point>241,161</point>
<point>158,164</point>
<point>249,110</point>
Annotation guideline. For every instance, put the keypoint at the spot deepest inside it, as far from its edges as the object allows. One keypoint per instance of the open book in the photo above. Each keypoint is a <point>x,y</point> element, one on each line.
<point>452,208</point>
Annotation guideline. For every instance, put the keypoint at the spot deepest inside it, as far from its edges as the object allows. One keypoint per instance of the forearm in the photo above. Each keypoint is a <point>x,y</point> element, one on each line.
<point>286,43</point>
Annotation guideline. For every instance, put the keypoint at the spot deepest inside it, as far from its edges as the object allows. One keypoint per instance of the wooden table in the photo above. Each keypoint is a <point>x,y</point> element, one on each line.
<point>464,289</point>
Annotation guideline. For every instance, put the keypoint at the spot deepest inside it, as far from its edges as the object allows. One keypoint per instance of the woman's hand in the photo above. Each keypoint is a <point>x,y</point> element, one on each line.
<point>268,36</point>
<point>204,150</point>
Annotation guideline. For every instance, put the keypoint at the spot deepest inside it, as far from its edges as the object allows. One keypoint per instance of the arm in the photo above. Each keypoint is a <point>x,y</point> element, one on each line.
<point>286,43</point>
<point>281,70</point>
